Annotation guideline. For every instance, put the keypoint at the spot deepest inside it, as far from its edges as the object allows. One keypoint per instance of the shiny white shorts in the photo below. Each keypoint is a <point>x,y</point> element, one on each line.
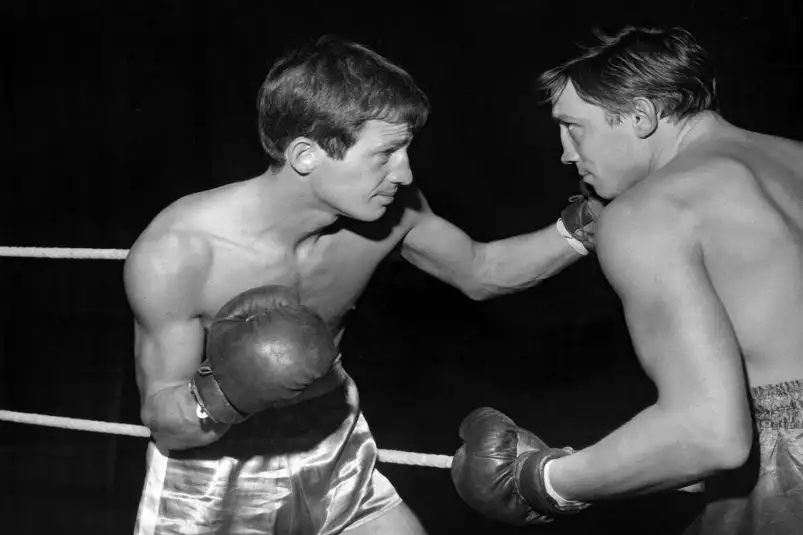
<point>300,470</point>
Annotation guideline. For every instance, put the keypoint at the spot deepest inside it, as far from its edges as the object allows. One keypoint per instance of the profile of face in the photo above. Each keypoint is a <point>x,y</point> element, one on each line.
<point>365,181</point>
<point>609,157</point>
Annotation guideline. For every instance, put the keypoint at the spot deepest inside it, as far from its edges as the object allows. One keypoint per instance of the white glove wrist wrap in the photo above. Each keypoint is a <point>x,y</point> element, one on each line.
<point>576,244</point>
<point>562,502</point>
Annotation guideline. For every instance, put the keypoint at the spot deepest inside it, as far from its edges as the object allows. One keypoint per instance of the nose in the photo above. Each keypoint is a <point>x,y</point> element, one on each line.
<point>569,155</point>
<point>401,173</point>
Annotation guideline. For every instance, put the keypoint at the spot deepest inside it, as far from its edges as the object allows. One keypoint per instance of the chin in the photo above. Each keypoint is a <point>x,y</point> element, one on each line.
<point>595,190</point>
<point>375,217</point>
<point>366,215</point>
<point>607,195</point>
<point>603,192</point>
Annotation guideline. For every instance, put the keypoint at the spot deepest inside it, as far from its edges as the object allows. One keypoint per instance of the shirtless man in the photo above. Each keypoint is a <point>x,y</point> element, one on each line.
<point>703,243</point>
<point>337,120</point>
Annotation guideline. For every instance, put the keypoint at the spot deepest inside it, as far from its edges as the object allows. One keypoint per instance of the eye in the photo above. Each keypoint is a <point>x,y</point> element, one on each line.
<point>573,130</point>
<point>385,155</point>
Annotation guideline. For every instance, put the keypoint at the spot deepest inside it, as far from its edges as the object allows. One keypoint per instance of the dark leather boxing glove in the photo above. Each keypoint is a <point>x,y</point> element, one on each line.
<point>579,217</point>
<point>498,471</point>
<point>263,349</point>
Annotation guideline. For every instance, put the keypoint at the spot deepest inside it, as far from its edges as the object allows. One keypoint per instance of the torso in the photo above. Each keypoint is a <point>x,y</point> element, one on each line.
<point>330,271</point>
<point>751,233</point>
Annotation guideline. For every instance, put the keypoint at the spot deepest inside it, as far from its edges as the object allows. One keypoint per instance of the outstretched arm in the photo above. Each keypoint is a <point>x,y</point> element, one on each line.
<point>483,270</point>
<point>700,423</point>
<point>163,278</point>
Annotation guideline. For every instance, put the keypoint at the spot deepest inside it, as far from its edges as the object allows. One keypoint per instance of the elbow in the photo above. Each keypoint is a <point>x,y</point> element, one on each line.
<point>489,277</point>
<point>483,284</point>
<point>146,416</point>
<point>476,284</point>
<point>162,438</point>
<point>479,283</point>
<point>478,292</point>
<point>150,419</point>
<point>724,447</point>
<point>154,420</point>
<point>482,290</point>
<point>730,452</point>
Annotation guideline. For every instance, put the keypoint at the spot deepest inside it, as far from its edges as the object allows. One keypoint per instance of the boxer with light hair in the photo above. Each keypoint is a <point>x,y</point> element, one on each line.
<point>703,242</point>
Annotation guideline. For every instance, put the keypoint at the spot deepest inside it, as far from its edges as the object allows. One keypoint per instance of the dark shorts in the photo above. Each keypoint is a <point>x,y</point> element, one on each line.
<point>304,469</point>
<point>766,496</point>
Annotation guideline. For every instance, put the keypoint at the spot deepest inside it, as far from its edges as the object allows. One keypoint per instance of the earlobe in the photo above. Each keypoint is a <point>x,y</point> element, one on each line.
<point>645,117</point>
<point>302,155</point>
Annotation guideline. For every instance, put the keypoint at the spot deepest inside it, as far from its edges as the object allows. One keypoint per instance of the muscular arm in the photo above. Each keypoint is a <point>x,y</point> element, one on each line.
<point>700,423</point>
<point>163,276</point>
<point>483,270</point>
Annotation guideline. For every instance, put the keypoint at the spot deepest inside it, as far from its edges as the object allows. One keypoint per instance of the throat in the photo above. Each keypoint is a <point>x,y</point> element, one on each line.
<point>310,250</point>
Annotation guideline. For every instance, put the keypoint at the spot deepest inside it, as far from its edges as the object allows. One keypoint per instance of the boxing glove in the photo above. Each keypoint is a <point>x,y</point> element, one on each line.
<point>263,349</point>
<point>578,219</point>
<point>499,470</point>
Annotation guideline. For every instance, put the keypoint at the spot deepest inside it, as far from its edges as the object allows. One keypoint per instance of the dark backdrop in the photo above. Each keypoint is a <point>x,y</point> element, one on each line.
<point>112,110</point>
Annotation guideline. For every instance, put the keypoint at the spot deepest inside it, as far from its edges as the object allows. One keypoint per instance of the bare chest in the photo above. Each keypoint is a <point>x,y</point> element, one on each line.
<point>330,273</point>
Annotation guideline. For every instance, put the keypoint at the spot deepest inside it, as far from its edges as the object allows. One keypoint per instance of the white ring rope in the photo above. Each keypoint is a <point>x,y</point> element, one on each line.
<point>64,252</point>
<point>387,456</point>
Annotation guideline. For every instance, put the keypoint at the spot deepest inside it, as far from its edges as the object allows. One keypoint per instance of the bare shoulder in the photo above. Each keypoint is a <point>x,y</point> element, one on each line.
<point>698,175</point>
<point>635,232</point>
<point>414,205</point>
<point>660,219</point>
<point>686,184</point>
<point>168,264</point>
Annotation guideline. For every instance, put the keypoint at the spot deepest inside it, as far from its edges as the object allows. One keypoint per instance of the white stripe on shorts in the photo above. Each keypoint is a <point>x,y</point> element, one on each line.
<point>151,496</point>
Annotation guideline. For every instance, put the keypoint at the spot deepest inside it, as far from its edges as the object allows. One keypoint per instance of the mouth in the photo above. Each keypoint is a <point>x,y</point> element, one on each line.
<point>385,198</point>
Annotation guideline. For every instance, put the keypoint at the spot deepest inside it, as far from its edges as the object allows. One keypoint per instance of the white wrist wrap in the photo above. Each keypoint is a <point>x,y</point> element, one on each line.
<point>562,502</point>
<point>574,242</point>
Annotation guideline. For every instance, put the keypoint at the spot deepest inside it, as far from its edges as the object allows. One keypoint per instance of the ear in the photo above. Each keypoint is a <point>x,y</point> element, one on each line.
<point>303,155</point>
<point>644,117</point>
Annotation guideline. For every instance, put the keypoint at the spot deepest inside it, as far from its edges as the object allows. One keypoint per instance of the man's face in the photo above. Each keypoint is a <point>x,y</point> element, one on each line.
<point>364,182</point>
<point>608,157</point>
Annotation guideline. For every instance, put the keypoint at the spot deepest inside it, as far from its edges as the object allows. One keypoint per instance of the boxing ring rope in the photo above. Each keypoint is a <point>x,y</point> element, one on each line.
<point>387,456</point>
<point>64,252</point>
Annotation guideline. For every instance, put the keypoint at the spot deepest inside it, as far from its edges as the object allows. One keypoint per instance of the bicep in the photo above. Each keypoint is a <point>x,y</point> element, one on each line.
<point>160,281</point>
<point>438,247</point>
<point>678,325</point>
<point>166,353</point>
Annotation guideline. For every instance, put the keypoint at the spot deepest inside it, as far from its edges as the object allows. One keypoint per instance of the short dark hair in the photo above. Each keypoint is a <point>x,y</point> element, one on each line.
<point>327,91</point>
<point>666,66</point>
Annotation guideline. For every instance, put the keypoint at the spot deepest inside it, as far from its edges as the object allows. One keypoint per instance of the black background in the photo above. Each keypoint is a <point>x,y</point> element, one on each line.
<point>112,110</point>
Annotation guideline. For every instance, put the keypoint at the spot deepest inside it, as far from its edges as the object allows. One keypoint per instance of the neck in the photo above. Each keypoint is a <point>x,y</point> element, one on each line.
<point>677,137</point>
<point>285,208</point>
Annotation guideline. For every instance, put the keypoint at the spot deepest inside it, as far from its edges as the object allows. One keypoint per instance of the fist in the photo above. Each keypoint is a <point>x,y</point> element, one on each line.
<point>264,349</point>
<point>580,216</point>
<point>485,470</point>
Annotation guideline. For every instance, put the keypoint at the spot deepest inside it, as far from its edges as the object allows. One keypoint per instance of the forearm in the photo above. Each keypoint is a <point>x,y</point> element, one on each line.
<point>657,450</point>
<point>520,262</point>
<point>171,415</point>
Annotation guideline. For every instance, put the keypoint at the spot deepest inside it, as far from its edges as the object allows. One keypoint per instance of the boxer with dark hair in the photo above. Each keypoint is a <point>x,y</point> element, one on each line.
<point>703,242</point>
<point>256,427</point>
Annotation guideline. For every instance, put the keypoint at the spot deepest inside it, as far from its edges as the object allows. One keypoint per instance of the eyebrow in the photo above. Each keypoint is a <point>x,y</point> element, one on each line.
<point>394,144</point>
<point>562,118</point>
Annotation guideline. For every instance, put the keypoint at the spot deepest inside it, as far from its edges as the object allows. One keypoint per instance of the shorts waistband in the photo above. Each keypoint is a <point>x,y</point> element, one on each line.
<point>779,405</point>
